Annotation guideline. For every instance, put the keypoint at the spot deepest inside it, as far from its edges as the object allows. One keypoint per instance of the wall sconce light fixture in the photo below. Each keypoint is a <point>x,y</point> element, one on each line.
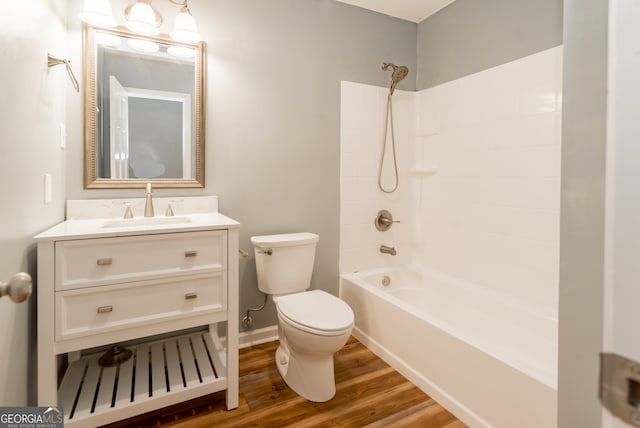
<point>142,18</point>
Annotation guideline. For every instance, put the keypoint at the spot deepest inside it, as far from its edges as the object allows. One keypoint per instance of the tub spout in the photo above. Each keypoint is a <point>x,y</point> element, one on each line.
<point>385,249</point>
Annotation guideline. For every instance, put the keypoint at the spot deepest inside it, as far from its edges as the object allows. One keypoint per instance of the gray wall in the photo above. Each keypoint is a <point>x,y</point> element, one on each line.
<point>273,115</point>
<point>471,35</point>
<point>582,211</point>
<point>32,107</point>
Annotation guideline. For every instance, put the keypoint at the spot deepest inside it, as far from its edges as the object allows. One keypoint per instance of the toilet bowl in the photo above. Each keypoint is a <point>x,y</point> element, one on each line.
<point>312,325</point>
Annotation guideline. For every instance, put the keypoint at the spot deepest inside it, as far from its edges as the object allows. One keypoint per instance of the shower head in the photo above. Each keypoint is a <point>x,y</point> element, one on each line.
<point>399,73</point>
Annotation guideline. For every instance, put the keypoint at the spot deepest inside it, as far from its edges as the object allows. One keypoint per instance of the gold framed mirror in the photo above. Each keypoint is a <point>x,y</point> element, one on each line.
<point>143,110</point>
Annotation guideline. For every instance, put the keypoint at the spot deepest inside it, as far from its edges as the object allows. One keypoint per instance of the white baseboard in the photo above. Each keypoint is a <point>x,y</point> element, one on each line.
<point>256,337</point>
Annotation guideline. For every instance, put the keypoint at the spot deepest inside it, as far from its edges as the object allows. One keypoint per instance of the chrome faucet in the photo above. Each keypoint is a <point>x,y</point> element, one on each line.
<point>385,249</point>
<point>148,204</point>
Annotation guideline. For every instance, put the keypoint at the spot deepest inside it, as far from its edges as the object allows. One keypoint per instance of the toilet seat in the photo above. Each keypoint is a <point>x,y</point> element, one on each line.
<point>316,312</point>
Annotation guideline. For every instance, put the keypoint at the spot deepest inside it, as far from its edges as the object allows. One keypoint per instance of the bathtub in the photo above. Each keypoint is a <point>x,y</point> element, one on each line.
<point>489,359</point>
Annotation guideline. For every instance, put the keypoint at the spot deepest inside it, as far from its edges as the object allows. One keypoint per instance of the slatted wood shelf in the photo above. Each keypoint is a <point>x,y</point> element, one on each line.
<point>158,374</point>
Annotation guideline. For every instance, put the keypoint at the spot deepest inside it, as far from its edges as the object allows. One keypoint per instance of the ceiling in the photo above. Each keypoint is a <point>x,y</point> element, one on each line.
<point>410,10</point>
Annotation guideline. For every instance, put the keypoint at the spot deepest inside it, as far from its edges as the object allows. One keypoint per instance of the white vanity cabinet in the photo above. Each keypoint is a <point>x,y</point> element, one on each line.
<point>161,289</point>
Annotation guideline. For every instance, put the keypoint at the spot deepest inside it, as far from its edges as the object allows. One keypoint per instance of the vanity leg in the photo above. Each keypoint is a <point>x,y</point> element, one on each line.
<point>232,391</point>
<point>233,325</point>
<point>47,367</point>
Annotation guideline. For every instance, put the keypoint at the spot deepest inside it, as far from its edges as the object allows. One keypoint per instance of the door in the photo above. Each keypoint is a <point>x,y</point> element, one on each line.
<point>622,230</point>
<point>118,129</point>
<point>32,108</point>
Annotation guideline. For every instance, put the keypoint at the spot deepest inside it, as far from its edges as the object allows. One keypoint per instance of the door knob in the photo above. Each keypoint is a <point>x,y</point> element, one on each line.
<point>18,288</point>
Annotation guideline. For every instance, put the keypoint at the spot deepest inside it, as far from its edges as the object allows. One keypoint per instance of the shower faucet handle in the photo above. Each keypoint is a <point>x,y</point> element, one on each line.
<point>384,220</point>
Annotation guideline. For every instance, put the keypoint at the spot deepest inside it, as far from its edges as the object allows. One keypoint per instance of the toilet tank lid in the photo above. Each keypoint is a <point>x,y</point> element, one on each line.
<point>285,239</point>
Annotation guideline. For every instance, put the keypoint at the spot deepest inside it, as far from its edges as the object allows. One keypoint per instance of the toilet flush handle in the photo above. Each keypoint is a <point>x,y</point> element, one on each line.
<point>267,251</point>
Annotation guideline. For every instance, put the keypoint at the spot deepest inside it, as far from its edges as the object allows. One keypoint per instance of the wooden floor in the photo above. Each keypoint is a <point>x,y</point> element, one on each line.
<point>369,394</point>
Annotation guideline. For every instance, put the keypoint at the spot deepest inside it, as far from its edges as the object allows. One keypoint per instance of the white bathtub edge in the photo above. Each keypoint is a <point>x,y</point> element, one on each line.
<point>447,401</point>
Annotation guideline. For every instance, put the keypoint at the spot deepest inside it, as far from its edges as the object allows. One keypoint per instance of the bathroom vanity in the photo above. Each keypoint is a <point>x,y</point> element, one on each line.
<point>158,286</point>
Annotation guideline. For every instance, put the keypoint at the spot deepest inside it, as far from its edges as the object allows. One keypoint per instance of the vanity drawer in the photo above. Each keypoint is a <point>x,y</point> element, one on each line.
<point>94,310</point>
<point>101,261</point>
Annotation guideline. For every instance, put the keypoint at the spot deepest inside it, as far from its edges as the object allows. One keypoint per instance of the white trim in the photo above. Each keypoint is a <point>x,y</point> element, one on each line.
<point>257,337</point>
<point>607,344</point>
<point>607,420</point>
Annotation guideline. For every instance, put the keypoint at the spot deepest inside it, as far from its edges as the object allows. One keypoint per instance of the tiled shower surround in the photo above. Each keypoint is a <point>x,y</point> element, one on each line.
<point>479,167</point>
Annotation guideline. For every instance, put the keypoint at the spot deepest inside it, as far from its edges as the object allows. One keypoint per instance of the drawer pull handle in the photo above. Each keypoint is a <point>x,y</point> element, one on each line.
<point>104,262</point>
<point>105,309</point>
<point>190,296</point>
<point>190,253</point>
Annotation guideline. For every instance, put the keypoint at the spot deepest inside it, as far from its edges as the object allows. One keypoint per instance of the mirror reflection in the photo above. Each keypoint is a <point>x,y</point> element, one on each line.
<point>146,93</point>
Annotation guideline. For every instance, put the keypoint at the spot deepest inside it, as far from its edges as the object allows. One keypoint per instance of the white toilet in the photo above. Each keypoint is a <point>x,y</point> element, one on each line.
<point>312,325</point>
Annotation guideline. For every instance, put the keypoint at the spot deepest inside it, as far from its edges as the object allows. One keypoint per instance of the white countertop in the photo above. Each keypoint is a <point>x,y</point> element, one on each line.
<point>90,220</point>
<point>95,228</point>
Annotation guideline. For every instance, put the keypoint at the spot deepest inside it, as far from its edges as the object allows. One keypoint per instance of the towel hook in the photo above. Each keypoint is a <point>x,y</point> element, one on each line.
<point>52,61</point>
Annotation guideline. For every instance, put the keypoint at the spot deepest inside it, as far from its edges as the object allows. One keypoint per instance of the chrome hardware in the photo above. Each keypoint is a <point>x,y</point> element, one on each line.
<point>399,73</point>
<point>385,249</point>
<point>243,254</point>
<point>18,288</point>
<point>267,251</point>
<point>127,210</point>
<point>190,253</point>
<point>386,280</point>
<point>620,387</point>
<point>190,296</point>
<point>169,212</point>
<point>148,204</point>
<point>104,262</point>
<point>105,309</point>
<point>384,220</point>
<point>52,61</point>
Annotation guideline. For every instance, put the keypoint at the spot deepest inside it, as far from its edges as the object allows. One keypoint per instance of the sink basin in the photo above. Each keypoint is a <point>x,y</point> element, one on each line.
<point>146,221</point>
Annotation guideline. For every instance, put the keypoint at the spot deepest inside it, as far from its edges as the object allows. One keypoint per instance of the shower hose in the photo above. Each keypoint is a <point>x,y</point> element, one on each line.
<point>388,118</point>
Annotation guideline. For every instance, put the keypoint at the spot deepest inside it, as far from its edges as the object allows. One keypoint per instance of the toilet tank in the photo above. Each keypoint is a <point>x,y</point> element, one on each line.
<point>284,262</point>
